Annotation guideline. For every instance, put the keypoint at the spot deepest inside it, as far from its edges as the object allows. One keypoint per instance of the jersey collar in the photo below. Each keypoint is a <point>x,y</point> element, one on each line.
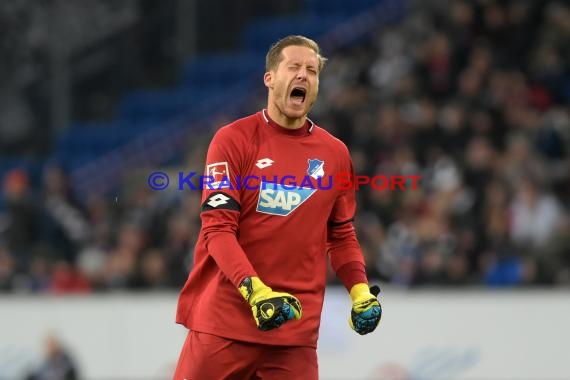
<point>309,125</point>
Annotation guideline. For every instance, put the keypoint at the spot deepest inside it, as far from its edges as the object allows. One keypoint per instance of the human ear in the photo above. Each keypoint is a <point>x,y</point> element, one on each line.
<point>268,79</point>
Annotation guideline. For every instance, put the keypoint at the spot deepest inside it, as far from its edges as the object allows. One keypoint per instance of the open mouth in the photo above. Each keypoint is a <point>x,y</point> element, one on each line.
<point>298,95</point>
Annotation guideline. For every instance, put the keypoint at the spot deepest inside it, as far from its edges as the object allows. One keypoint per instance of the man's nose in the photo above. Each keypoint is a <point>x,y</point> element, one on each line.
<point>302,73</point>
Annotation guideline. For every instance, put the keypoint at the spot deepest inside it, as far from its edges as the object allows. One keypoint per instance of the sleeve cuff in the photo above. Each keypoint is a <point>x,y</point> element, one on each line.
<point>352,273</point>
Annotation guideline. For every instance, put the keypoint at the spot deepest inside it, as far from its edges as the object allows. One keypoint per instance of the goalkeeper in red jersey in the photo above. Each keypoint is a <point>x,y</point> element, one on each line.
<point>253,299</point>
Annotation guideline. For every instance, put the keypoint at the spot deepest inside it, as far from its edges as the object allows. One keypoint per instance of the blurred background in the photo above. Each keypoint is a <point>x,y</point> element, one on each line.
<point>471,95</point>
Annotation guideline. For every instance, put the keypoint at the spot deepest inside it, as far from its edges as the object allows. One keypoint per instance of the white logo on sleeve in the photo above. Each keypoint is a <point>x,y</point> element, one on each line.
<point>218,200</point>
<point>264,163</point>
<point>219,175</point>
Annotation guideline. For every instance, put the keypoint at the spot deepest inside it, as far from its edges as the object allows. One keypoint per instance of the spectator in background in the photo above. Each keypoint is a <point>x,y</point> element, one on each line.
<point>519,160</point>
<point>92,259</point>
<point>40,275</point>
<point>536,225</point>
<point>7,275</point>
<point>23,231</point>
<point>123,258</point>
<point>151,274</point>
<point>58,363</point>
<point>178,248</point>
<point>66,226</point>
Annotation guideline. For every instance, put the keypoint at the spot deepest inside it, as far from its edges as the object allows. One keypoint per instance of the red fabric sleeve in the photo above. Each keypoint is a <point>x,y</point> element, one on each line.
<point>342,244</point>
<point>220,234</point>
<point>221,206</point>
<point>351,274</point>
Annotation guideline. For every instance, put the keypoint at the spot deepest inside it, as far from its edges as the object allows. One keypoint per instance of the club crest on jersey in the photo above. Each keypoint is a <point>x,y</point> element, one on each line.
<point>316,168</point>
<point>274,199</point>
<point>221,174</point>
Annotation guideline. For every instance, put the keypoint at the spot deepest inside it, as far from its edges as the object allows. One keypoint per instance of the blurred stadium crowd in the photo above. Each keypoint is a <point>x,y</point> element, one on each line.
<point>473,96</point>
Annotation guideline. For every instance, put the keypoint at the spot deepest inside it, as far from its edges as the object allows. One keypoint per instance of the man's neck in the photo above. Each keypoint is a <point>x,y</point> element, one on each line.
<point>284,121</point>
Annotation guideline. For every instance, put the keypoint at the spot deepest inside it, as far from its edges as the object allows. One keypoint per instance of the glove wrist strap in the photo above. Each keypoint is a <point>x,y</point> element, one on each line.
<point>357,290</point>
<point>251,287</point>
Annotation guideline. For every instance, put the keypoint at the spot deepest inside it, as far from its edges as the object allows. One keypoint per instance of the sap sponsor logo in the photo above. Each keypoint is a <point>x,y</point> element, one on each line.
<point>276,199</point>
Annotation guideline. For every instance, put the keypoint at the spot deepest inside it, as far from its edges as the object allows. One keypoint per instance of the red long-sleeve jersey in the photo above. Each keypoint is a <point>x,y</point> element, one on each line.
<point>271,210</point>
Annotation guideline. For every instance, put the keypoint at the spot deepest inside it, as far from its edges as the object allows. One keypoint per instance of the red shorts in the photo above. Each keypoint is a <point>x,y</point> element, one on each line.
<point>210,357</point>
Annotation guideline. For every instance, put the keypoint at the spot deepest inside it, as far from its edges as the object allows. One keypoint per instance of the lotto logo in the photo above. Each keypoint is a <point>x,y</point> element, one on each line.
<point>276,200</point>
<point>218,200</point>
<point>264,163</point>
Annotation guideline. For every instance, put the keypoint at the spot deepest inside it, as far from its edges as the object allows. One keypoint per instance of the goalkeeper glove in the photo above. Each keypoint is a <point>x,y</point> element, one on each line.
<point>270,309</point>
<point>366,309</point>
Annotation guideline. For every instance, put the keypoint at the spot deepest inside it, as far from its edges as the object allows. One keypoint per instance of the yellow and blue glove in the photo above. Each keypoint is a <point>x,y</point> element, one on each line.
<point>270,309</point>
<point>366,309</point>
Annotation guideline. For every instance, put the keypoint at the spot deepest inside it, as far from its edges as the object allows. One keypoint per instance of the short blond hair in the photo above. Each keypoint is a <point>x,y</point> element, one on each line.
<point>274,57</point>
